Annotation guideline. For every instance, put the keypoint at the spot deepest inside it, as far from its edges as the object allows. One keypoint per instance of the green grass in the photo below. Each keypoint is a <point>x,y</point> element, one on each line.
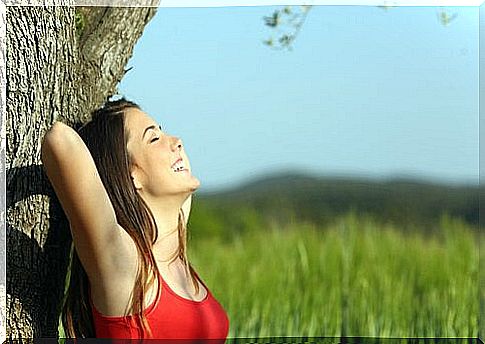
<point>352,279</point>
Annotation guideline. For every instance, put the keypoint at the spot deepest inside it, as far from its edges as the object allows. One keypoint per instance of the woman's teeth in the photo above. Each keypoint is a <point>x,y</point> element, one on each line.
<point>178,167</point>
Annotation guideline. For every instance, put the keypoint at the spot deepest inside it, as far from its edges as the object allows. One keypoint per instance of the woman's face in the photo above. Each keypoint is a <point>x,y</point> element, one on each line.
<point>160,166</point>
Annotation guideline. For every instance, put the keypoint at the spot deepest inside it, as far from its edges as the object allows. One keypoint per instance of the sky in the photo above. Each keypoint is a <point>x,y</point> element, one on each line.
<point>364,92</point>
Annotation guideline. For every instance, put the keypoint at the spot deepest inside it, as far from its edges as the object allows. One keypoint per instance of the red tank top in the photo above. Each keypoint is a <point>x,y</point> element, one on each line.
<point>170,316</point>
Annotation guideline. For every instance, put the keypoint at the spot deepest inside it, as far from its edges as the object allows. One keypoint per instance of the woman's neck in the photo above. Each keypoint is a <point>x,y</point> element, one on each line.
<point>167,220</point>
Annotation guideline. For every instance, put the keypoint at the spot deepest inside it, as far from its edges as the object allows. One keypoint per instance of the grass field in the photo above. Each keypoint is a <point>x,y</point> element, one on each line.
<point>354,278</point>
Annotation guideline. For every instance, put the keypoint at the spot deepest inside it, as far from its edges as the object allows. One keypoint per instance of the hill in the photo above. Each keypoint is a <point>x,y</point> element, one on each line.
<point>298,197</point>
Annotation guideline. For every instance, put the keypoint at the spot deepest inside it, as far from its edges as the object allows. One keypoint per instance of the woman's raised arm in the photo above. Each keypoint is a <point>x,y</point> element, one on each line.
<point>73,174</point>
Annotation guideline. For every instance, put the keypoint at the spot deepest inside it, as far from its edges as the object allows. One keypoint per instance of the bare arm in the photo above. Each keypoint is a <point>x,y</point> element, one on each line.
<point>73,174</point>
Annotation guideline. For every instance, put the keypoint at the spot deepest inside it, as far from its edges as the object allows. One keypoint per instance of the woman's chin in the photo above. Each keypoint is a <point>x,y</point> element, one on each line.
<point>195,185</point>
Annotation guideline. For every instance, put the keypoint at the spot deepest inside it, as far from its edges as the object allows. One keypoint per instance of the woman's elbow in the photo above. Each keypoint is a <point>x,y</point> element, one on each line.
<point>55,139</point>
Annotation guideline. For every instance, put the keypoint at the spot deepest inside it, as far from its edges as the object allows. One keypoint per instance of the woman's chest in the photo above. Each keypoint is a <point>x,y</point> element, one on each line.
<point>175,317</point>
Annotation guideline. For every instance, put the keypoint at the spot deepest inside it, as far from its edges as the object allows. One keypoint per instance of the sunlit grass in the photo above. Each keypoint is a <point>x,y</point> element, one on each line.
<point>353,279</point>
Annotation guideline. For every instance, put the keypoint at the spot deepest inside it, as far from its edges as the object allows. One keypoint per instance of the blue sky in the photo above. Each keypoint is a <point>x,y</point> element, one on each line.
<point>365,91</point>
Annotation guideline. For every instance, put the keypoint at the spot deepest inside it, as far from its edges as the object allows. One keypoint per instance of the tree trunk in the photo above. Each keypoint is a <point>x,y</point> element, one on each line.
<point>62,63</point>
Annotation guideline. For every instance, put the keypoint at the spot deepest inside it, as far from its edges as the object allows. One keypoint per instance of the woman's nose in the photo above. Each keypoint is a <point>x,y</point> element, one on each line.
<point>176,144</point>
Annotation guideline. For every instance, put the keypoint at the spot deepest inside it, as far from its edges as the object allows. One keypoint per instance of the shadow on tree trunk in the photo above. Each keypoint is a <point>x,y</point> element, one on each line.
<point>37,281</point>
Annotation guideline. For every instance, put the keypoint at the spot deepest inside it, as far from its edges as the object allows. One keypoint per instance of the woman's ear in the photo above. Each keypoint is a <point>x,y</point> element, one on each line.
<point>135,180</point>
<point>136,184</point>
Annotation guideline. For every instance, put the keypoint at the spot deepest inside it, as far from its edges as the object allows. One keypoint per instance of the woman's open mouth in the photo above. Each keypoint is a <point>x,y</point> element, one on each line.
<point>178,166</point>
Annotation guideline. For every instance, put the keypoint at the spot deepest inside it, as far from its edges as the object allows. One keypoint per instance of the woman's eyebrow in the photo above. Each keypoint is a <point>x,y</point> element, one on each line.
<point>153,126</point>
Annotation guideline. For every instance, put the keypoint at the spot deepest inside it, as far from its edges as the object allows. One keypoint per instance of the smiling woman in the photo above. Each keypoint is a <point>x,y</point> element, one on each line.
<point>126,188</point>
<point>153,154</point>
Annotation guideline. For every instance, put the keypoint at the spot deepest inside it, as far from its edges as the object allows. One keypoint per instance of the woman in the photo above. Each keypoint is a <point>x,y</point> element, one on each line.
<point>126,188</point>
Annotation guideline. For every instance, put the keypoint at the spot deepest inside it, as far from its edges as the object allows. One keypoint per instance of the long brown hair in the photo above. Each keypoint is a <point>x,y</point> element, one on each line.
<point>106,137</point>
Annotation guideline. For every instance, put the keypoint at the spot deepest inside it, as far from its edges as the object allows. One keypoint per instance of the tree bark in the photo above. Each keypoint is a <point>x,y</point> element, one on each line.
<point>56,70</point>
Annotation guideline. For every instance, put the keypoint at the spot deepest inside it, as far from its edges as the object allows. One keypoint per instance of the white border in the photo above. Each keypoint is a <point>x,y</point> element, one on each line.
<point>164,3</point>
<point>231,3</point>
<point>3,227</point>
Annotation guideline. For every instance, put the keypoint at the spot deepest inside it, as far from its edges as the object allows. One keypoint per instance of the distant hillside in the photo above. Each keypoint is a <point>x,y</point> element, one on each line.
<point>299,197</point>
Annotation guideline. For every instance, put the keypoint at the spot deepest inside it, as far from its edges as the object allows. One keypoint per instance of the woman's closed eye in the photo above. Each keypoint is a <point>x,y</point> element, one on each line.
<point>153,129</point>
